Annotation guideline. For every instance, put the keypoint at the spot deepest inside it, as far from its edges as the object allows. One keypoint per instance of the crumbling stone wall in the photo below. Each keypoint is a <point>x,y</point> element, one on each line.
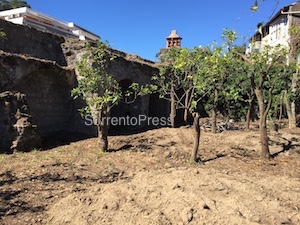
<point>18,132</point>
<point>47,88</point>
<point>42,66</point>
<point>124,67</point>
<point>129,68</point>
<point>31,42</point>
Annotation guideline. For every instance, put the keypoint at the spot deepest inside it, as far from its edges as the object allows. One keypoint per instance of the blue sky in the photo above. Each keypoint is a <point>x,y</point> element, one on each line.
<point>141,27</point>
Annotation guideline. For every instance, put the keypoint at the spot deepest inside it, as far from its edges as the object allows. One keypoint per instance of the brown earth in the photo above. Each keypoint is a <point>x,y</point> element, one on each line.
<point>147,178</point>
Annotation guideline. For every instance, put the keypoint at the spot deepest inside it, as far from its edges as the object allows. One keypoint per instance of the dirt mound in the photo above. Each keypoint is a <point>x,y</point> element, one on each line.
<point>147,178</point>
<point>183,196</point>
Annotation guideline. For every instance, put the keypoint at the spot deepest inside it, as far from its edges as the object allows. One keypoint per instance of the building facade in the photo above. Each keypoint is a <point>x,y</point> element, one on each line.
<point>276,30</point>
<point>43,22</point>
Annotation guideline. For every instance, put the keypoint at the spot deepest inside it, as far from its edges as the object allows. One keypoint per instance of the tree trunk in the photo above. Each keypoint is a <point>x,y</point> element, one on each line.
<point>197,137</point>
<point>280,113</point>
<point>103,131</point>
<point>293,104</point>
<point>294,117</point>
<point>290,110</point>
<point>186,110</point>
<point>250,110</point>
<point>173,106</point>
<point>214,113</point>
<point>214,121</point>
<point>248,116</point>
<point>264,140</point>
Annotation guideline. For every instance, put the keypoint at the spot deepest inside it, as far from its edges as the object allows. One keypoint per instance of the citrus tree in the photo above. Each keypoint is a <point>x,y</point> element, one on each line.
<point>169,81</point>
<point>98,88</point>
<point>266,70</point>
<point>179,82</point>
<point>218,67</point>
<point>291,92</point>
<point>189,62</point>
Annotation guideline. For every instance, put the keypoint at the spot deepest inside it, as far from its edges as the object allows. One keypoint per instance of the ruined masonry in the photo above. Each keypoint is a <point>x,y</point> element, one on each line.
<point>37,73</point>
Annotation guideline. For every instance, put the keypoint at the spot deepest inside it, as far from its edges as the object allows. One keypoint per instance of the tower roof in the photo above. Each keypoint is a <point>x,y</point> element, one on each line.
<point>173,34</point>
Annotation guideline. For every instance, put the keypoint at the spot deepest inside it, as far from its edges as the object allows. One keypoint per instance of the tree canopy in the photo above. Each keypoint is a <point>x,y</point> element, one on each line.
<point>13,4</point>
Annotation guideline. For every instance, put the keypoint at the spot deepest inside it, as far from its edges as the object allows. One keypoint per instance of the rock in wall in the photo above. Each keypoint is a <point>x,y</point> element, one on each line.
<point>18,132</point>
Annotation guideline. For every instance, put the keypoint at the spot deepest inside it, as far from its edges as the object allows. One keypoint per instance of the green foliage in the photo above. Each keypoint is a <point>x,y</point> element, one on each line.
<point>201,73</point>
<point>188,63</point>
<point>286,82</point>
<point>96,86</point>
<point>236,94</point>
<point>294,31</point>
<point>169,77</point>
<point>229,37</point>
<point>268,65</point>
<point>36,150</point>
<point>225,80</point>
<point>18,4</point>
<point>179,75</point>
<point>2,34</point>
<point>135,89</point>
<point>220,72</point>
<point>13,4</point>
<point>268,71</point>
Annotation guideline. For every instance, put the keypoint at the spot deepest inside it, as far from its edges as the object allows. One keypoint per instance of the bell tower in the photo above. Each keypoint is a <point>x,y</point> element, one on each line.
<point>173,40</point>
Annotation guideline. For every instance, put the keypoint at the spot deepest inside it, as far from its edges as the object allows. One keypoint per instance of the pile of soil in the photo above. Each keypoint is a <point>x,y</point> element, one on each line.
<point>147,178</point>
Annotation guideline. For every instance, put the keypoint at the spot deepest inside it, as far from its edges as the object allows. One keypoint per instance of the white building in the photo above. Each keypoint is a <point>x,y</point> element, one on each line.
<point>276,30</point>
<point>32,18</point>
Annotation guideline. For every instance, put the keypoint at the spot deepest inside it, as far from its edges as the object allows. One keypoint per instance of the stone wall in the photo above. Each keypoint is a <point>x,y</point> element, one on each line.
<point>42,66</point>
<point>18,132</point>
<point>47,88</point>
<point>125,68</point>
<point>29,41</point>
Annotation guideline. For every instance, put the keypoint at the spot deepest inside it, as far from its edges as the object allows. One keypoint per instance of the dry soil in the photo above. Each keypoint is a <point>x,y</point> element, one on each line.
<point>147,178</point>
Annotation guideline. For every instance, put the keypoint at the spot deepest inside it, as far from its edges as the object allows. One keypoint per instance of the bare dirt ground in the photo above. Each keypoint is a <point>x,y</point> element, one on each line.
<point>147,178</point>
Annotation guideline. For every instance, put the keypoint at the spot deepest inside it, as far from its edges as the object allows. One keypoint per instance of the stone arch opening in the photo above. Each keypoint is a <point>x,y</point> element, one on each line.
<point>125,86</point>
<point>128,111</point>
<point>49,99</point>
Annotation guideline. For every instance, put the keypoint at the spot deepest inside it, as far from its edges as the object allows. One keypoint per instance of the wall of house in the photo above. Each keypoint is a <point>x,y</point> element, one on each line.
<point>278,32</point>
<point>295,21</point>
